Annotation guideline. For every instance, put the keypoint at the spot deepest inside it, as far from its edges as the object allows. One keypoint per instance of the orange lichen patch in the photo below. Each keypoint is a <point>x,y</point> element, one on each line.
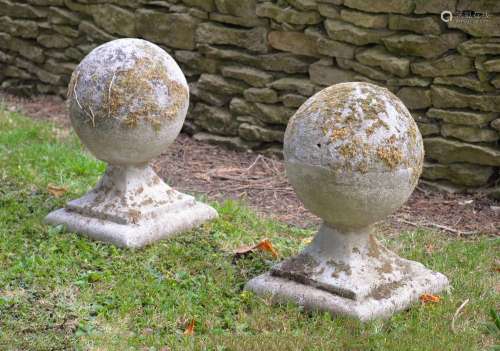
<point>348,150</point>
<point>339,133</point>
<point>391,155</point>
<point>138,81</point>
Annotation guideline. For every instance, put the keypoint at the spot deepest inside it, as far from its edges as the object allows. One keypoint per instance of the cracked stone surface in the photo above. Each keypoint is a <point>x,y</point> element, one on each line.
<point>353,155</point>
<point>128,101</point>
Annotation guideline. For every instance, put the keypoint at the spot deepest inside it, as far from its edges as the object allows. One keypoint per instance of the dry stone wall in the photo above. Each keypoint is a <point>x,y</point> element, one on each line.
<point>251,63</point>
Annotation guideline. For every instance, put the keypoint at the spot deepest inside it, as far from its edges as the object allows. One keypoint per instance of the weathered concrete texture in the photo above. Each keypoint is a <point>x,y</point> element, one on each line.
<point>353,155</point>
<point>131,207</point>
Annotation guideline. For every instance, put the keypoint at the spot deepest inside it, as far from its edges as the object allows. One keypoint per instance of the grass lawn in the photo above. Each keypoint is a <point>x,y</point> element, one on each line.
<point>60,291</point>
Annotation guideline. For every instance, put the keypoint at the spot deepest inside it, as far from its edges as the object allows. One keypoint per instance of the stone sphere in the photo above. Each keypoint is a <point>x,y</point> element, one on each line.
<point>353,154</point>
<point>128,100</point>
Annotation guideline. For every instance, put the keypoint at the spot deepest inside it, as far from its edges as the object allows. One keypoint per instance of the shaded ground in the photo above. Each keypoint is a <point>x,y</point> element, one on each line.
<point>218,173</point>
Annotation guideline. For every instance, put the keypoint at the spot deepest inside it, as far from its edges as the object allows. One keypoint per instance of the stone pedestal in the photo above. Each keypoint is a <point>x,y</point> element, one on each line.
<point>353,155</point>
<point>131,207</point>
<point>349,274</point>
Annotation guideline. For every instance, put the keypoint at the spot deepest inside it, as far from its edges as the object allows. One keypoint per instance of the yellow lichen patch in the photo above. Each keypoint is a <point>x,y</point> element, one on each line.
<point>138,84</point>
<point>348,150</point>
<point>391,155</point>
<point>339,133</point>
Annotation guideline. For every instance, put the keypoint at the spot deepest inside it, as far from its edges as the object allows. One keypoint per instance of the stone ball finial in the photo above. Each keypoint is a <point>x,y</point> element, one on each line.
<point>353,154</point>
<point>128,101</point>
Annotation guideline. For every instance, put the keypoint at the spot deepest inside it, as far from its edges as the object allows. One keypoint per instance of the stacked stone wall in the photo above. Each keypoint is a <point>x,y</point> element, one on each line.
<point>252,63</point>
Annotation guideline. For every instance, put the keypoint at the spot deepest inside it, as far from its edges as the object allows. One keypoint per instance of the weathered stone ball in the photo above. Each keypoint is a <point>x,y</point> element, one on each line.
<point>128,100</point>
<point>353,154</point>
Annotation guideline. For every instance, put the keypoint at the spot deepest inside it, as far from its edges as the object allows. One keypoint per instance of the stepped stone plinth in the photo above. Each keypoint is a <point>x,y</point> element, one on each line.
<point>353,154</point>
<point>128,100</point>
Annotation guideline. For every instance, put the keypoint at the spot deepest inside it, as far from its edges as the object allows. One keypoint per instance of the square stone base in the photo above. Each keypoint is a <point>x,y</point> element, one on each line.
<point>396,299</point>
<point>134,235</point>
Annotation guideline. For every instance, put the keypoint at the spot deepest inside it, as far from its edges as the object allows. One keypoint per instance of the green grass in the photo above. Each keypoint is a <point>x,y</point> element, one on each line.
<point>62,291</point>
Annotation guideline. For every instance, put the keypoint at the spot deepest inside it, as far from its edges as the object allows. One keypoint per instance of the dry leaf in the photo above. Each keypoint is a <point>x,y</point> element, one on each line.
<point>425,298</point>
<point>429,248</point>
<point>56,191</point>
<point>189,329</point>
<point>263,245</point>
<point>308,240</point>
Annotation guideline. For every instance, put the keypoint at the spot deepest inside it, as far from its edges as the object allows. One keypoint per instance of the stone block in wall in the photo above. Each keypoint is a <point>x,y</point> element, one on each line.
<point>207,96</point>
<point>73,54</point>
<point>343,31</point>
<point>274,114</point>
<point>220,85</point>
<point>205,5</point>
<point>444,97</point>
<point>79,7</point>
<point>391,6</point>
<point>335,48</point>
<point>464,117</point>
<point>483,46</point>
<point>495,124</point>
<point>43,75</point>
<point>478,28</point>
<point>379,57</point>
<point>420,25</point>
<point>240,8</point>
<point>302,86</point>
<point>415,98</point>
<point>450,151</point>
<point>490,6</point>
<point>303,5</point>
<point>469,81</point>
<point>428,46</point>
<point>322,74</point>
<point>492,65</point>
<point>54,41</point>
<point>258,133</point>
<point>252,39</point>
<point>264,95</point>
<point>409,82</point>
<point>294,42</point>
<point>46,2</point>
<point>238,21</point>
<point>434,6</point>
<point>6,58</point>
<point>292,100</point>
<point>24,47</point>
<point>240,107</point>
<point>15,9</point>
<point>279,62</point>
<point>328,10</point>
<point>59,15</point>
<point>287,15</point>
<point>427,129</point>
<point>65,30</point>
<point>249,75</point>
<point>19,28</point>
<point>233,143</point>
<point>94,32</point>
<point>15,72</point>
<point>214,119</point>
<point>469,134</point>
<point>445,66</point>
<point>458,173</point>
<point>175,30</point>
<point>363,19</point>
<point>195,61</point>
<point>114,19</point>
<point>367,71</point>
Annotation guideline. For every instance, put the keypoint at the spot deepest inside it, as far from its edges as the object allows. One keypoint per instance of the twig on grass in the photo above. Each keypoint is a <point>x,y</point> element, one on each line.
<point>460,308</point>
<point>435,225</point>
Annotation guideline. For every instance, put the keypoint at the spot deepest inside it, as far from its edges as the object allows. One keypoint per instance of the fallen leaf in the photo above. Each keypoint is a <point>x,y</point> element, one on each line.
<point>425,298</point>
<point>56,191</point>
<point>308,240</point>
<point>189,329</point>
<point>263,245</point>
<point>429,248</point>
